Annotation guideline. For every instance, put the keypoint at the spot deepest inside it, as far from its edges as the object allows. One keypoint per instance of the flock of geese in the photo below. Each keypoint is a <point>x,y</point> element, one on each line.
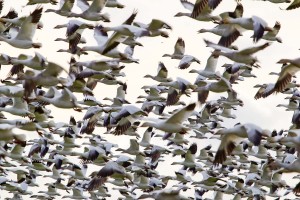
<point>81,158</point>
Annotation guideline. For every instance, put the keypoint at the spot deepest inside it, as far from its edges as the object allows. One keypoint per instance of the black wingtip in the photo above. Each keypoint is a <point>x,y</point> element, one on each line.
<point>191,106</point>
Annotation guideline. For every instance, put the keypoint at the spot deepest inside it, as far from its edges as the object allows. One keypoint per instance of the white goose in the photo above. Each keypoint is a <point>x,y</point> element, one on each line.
<point>64,99</point>
<point>65,8</point>
<point>24,37</point>
<point>91,12</point>
<point>33,2</point>
<point>73,34</point>
<point>221,85</point>
<point>179,49</point>
<point>241,56</point>
<point>111,169</point>
<point>155,27</point>
<point>289,69</point>
<point>37,61</point>
<point>19,107</point>
<point>210,69</point>
<point>272,35</point>
<point>200,11</point>
<point>231,135</point>
<point>162,74</point>
<point>257,24</point>
<point>174,123</point>
<point>228,33</point>
<point>103,46</point>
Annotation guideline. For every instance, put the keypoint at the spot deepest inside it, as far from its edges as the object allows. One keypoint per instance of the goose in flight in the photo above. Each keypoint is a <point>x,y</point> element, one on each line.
<point>155,27</point>
<point>47,78</point>
<point>241,56</point>
<point>111,169</point>
<point>201,10</point>
<point>91,12</point>
<point>37,62</point>
<point>65,8</point>
<point>272,35</point>
<point>179,49</point>
<point>33,2</point>
<point>295,4</point>
<point>23,39</point>
<point>174,123</point>
<point>74,32</point>
<point>228,34</point>
<point>210,69</point>
<point>162,74</point>
<point>221,85</point>
<point>288,70</point>
<point>255,23</point>
<point>230,137</point>
<point>64,99</point>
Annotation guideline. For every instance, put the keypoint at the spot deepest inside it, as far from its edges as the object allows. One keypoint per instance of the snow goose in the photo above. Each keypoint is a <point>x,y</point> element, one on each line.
<point>37,62</point>
<point>264,90</point>
<point>186,61</point>
<point>104,47</point>
<point>295,4</point>
<point>65,8</point>
<point>285,167</point>
<point>5,24</point>
<point>289,69</point>
<point>228,33</point>
<point>229,137</point>
<point>238,12</point>
<point>114,40</point>
<point>114,4</point>
<point>77,193</point>
<point>11,18</point>
<point>129,30</point>
<point>179,50</point>
<point>291,106</point>
<point>111,169</point>
<point>133,149</point>
<point>12,90</point>
<point>33,2</point>
<point>189,159</point>
<point>100,65</point>
<point>24,37</point>
<point>16,153</point>
<point>64,99</point>
<point>19,107</point>
<point>145,142</point>
<point>174,123</point>
<point>200,11</point>
<point>242,56</point>
<point>155,27</point>
<point>77,172</point>
<point>162,74</point>
<point>51,191</point>
<point>210,69</point>
<point>95,155</point>
<point>91,12</point>
<point>180,84</point>
<point>272,35</point>
<point>47,78</point>
<point>221,85</point>
<point>74,32</point>
<point>257,24</point>
<point>165,194</point>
